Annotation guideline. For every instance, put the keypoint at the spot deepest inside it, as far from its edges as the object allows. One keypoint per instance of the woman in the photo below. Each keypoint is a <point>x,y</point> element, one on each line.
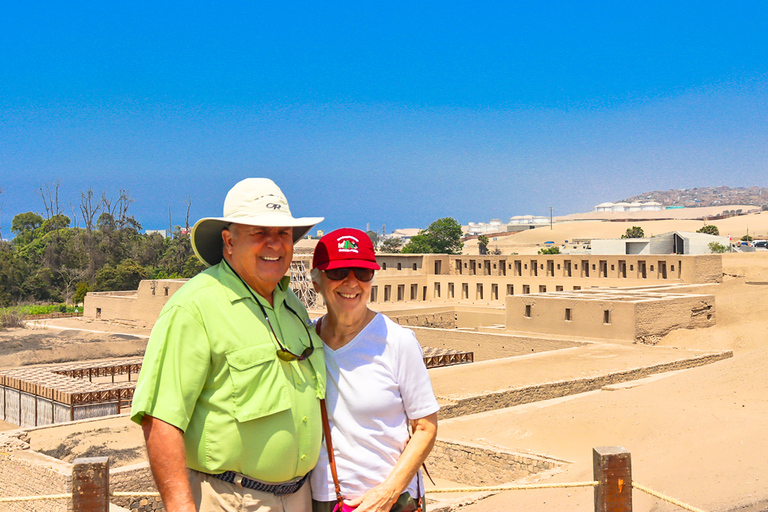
<point>377,385</point>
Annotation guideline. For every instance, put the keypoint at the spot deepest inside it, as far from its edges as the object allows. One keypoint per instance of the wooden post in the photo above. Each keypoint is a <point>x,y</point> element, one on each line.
<point>612,467</point>
<point>90,485</point>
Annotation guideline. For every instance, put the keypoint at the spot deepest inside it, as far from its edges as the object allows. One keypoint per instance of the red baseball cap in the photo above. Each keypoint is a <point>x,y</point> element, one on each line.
<point>345,247</point>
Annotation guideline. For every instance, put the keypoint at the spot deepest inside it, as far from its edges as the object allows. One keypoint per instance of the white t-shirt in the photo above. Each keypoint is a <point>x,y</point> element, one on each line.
<point>375,384</point>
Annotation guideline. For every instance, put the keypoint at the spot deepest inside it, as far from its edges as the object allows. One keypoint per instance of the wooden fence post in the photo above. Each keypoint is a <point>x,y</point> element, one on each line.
<point>90,485</point>
<point>612,467</point>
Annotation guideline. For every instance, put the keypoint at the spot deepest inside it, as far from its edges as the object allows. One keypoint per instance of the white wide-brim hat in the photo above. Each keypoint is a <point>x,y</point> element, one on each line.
<point>254,202</point>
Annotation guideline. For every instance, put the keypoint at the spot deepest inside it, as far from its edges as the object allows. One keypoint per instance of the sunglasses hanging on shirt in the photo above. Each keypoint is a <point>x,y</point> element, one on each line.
<point>283,353</point>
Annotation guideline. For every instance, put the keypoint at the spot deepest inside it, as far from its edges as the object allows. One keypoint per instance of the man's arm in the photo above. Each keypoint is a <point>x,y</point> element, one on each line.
<point>167,458</point>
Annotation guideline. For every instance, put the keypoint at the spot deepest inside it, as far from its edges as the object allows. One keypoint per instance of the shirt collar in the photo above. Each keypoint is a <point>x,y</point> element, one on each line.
<point>238,290</point>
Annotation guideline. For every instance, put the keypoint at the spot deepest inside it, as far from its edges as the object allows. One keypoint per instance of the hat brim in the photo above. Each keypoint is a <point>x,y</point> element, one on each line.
<point>350,264</point>
<point>206,234</point>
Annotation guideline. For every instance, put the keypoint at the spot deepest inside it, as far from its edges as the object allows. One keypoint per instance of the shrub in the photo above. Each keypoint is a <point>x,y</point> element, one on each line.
<point>717,247</point>
<point>12,317</point>
<point>709,229</point>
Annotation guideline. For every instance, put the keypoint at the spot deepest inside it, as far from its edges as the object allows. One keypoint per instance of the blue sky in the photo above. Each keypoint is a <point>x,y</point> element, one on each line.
<point>374,113</point>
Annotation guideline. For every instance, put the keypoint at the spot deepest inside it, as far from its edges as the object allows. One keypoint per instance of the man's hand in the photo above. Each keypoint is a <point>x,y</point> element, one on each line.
<point>167,458</point>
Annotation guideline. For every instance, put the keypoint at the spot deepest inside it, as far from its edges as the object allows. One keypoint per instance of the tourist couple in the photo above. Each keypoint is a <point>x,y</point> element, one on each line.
<point>229,395</point>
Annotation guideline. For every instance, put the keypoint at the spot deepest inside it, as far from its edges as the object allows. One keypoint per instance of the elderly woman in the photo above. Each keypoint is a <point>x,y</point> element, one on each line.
<point>377,385</point>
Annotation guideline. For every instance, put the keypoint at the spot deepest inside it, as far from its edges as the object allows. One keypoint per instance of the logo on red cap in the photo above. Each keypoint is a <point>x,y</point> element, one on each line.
<point>347,243</point>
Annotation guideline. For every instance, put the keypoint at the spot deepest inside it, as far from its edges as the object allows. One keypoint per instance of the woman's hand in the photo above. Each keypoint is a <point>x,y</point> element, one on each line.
<point>379,499</point>
<point>383,496</point>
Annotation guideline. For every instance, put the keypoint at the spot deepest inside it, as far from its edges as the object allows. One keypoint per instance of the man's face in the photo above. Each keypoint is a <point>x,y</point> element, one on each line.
<point>260,255</point>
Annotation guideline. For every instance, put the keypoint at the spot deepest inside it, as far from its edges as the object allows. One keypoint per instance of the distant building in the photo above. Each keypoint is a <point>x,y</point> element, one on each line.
<point>674,242</point>
<point>161,232</point>
<point>629,207</point>
<point>404,234</point>
<point>481,228</point>
<point>528,219</point>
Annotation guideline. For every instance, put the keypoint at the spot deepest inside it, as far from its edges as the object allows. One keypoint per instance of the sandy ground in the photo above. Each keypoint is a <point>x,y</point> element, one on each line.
<point>696,435</point>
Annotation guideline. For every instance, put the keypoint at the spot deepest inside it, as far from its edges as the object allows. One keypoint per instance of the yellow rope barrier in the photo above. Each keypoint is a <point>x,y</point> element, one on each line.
<point>666,498</point>
<point>65,496</point>
<point>35,498</point>
<point>494,488</point>
<point>133,494</point>
<point>512,487</point>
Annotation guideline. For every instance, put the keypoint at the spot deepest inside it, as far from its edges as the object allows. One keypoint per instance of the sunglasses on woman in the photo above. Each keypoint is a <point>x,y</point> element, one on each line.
<point>338,274</point>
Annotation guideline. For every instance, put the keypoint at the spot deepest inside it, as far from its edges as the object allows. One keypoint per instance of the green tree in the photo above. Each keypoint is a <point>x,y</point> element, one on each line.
<point>441,237</point>
<point>374,237</point>
<point>192,267</point>
<point>709,229</point>
<point>177,251</point>
<point>80,290</point>
<point>391,245</point>
<point>634,232</point>
<point>125,276</point>
<point>482,244</point>
<point>746,238</point>
<point>56,223</point>
<point>149,249</point>
<point>23,226</point>
<point>549,250</point>
<point>11,276</point>
<point>717,247</point>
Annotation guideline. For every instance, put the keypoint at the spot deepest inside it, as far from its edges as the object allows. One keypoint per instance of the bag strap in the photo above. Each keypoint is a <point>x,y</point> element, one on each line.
<point>329,446</point>
<point>327,433</point>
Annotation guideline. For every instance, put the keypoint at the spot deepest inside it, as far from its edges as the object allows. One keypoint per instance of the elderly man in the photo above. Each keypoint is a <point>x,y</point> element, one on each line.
<point>228,392</point>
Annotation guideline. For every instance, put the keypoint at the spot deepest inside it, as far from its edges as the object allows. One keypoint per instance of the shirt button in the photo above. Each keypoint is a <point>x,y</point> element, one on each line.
<point>303,457</point>
<point>304,419</point>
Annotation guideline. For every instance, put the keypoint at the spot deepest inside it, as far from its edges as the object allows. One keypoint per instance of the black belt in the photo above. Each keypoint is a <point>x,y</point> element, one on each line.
<point>276,489</point>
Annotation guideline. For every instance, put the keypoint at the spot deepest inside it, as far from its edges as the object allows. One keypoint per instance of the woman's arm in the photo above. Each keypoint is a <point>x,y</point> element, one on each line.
<point>383,496</point>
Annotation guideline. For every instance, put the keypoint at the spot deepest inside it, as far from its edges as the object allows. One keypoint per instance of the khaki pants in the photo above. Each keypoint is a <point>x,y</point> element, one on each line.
<point>214,495</point>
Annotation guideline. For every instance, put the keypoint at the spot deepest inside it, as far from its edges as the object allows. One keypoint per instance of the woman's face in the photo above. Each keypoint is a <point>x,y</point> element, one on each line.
<point>347,297</point>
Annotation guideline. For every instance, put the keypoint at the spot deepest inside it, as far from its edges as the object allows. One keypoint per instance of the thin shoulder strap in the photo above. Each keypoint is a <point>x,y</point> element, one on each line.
<point>329,447</point>
<point>327,433</point>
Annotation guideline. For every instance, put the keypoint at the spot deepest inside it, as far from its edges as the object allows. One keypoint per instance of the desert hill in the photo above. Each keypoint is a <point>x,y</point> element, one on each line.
<point>704,196</point>
<point>599,225</point>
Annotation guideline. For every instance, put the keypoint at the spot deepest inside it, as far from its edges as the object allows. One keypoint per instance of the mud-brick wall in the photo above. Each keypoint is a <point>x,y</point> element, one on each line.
<point>655,319</point>
<point>135,478</point>
<point>22,477</point>
<point>481,466</point>
<point>703,269</point>
<point>441,320</point>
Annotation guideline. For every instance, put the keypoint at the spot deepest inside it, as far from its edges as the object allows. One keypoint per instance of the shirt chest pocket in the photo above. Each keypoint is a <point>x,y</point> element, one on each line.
<point>260,387</point>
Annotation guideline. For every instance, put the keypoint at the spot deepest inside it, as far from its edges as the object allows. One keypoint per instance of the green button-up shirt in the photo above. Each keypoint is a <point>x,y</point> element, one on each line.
<point>211,370</point>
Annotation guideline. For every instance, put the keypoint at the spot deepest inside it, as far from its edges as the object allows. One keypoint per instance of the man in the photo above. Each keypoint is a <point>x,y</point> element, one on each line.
<point>228,392</point>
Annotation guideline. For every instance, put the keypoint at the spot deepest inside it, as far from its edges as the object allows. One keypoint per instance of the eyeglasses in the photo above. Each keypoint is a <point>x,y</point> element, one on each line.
<point>283,353</point>
<point>338,274</point>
